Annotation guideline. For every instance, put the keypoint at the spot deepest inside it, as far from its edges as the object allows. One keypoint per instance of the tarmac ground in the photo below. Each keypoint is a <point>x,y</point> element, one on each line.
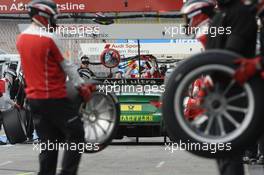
<point>124,157</point>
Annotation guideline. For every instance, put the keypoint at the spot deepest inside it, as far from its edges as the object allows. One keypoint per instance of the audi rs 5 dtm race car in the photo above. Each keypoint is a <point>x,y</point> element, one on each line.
<point>139,90</point>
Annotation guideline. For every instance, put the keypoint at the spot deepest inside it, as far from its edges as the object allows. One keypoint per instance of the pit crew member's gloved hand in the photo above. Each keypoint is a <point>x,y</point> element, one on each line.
<point>86,90</point>
<point>247,69</point>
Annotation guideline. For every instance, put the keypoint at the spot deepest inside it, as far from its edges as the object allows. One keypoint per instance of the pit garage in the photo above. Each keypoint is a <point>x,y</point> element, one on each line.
<point>129,50</point>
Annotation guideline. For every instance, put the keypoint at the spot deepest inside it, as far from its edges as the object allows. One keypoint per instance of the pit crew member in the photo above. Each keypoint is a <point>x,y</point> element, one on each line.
<point>84,70</point>
<point>233,14</point>
<point>45,70</point>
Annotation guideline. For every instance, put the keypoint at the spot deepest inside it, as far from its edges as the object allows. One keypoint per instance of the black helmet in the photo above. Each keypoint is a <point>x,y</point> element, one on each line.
<point>47,9</point>
<point>163,69</point>
<point>85,59</point>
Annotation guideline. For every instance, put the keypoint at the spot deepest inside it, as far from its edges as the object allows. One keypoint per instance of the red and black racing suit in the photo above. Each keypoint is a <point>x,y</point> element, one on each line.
<point>55,118</point>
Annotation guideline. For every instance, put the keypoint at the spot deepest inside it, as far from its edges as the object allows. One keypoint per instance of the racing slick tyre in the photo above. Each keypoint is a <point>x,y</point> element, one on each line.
<point>230,115</point>
<point>101,119</point>
<point>27,119</point>
<point>14,126</point>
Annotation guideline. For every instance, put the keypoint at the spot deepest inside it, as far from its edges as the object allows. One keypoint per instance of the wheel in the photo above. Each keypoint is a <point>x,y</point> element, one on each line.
<point>101,119</point>
<point>13,125</point>
<point>228,116</point>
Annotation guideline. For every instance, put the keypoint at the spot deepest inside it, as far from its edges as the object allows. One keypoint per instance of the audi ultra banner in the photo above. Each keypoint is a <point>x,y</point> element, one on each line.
<point>91,6</point>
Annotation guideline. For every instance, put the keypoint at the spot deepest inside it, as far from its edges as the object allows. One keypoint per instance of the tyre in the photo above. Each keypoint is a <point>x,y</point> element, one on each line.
<point>14,126</point>
<point>101,119</point>
<point>27,119</point>
<point>230,115</point>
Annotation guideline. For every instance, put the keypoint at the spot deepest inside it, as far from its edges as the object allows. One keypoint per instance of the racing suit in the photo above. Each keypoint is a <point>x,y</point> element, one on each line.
<point>55,117</point>
<point>241,40</point>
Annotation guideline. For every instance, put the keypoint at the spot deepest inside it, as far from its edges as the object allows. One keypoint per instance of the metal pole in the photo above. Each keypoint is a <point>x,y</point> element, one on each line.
<point>138,41</point>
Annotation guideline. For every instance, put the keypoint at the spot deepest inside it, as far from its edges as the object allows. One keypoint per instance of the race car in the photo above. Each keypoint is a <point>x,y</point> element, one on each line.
<point>141,101</point>
<point>138,84</point>
<point>141,114</point>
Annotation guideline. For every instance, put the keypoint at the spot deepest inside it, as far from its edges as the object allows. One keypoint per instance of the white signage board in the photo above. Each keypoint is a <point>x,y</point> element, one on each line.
<point>118,31</point>
<point>128,49</point>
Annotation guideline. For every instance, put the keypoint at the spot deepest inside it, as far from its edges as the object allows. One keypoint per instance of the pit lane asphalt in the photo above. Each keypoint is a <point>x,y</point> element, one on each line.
<point>119,159</point>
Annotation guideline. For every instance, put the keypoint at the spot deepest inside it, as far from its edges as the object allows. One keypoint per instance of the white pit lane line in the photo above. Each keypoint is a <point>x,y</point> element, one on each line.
<point>5,163</point>
<point>160,164</point>
<point>6,146</point>
<point>29,173</point>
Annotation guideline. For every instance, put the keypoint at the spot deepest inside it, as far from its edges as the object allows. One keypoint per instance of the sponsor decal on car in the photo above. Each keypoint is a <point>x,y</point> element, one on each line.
<point>136,118</point>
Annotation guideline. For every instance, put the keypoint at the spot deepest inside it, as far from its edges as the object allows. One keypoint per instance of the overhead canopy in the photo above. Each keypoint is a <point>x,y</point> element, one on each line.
<point>92,6</point>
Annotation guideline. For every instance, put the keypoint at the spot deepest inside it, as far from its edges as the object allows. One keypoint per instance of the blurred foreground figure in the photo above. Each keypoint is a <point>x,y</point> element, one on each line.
<point>45,69</point>
<point>240,20</point>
